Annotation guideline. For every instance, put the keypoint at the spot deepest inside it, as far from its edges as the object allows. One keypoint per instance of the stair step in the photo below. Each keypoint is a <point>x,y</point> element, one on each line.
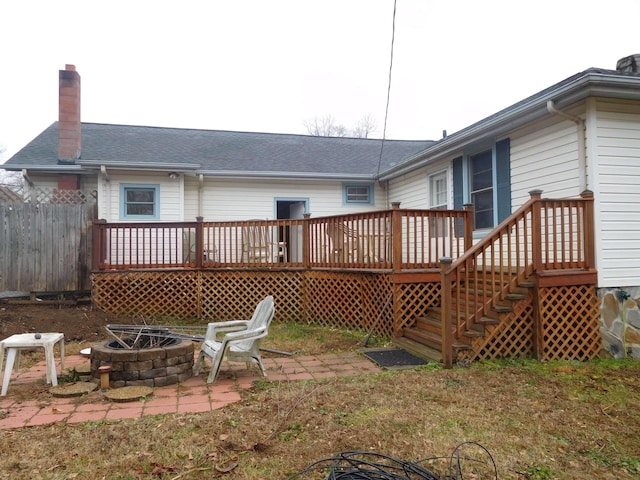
<point>487,321</point>
<point>514,297</point>
<point>502,308</point>
<point>430,324</point>
<point>418,349</point>
<point>473,333</point>
<point>430,339</point>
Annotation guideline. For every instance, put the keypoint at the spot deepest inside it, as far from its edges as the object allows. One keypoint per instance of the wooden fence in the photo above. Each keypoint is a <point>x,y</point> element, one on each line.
<point>46,247</point>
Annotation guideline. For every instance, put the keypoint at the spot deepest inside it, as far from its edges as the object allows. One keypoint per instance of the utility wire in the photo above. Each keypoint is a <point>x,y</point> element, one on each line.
<point>386,112</point>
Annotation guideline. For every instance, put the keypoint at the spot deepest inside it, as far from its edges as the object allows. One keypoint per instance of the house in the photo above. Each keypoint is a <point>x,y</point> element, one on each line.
<point>579,135</point>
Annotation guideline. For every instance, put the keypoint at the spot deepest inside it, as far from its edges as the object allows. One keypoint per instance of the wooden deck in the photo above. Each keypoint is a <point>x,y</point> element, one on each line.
<point>527,289</point>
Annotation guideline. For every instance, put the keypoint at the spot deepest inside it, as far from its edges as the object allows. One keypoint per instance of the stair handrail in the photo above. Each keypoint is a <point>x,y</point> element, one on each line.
<point>523,233</point>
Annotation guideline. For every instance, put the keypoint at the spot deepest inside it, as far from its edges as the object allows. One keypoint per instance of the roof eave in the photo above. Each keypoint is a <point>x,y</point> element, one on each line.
<point>591,84</point>
<point>145,166</point>
<point>239,174</point>
<point>44,168</point>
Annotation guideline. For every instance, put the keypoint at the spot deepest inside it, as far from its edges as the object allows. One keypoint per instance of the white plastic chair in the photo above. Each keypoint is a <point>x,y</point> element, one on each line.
<point>241,343</point>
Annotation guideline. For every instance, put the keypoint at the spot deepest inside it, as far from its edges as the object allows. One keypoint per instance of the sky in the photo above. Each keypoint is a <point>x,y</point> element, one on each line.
<point>271,65</point>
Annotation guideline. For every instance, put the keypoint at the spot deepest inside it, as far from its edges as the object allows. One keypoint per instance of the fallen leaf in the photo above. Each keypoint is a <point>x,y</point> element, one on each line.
<point>227,466</point>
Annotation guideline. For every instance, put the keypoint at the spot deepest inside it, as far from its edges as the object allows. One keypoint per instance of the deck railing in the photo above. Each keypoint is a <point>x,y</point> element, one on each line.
<point>545,237</point>
<point>394,239</point>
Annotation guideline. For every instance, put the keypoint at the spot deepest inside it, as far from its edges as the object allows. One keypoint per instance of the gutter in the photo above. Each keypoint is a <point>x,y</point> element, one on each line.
<point>43,168</point>
<point>288,175</point>
<point>158,167</point>
<point>513,117</point>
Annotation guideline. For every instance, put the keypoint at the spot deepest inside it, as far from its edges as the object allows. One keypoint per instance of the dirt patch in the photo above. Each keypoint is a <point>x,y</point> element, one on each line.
<point>80,322</point>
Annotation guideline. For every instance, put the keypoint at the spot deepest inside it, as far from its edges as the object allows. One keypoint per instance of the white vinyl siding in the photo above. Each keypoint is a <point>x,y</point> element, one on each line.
<point>412,189</point>
<point>544,157</point>
<point>226,199</point>
<point>171,196</point>
<point>617,193</point>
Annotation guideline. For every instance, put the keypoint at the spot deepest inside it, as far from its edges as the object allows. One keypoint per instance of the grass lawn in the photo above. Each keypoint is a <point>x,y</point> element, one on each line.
<point>557,420</point>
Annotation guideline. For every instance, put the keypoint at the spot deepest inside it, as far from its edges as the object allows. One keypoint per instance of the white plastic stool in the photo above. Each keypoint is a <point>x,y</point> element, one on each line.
<point>22,341</point>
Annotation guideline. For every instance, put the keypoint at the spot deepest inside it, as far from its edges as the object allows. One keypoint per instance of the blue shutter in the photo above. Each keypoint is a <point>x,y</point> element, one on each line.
<point>503,175</point>
<point>458,189</point>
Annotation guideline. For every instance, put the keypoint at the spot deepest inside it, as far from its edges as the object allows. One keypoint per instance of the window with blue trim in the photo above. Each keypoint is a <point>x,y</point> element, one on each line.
<point>361,193</point>
<point>483,178</point>
<point>139,202</point>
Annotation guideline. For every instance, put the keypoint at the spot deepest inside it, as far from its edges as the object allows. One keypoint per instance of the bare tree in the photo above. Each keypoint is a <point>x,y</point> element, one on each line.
<point>365,127</point>
<point>11,180</point>
<point>327,126</point>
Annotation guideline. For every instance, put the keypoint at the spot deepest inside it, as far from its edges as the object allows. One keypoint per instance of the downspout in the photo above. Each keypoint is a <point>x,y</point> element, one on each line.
<point>582,148</point>
<point>105,174</point>
<point>25,175</point>
<point>200,189</point>
<point>106,192</point>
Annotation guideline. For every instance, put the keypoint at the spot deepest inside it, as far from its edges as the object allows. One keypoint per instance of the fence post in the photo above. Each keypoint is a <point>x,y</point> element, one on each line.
<point>445,313</point>
<point>396,237</point>
<point>99,244</point>
<point>589,242</point>
<point>536,231</point>
<point>199,253</point>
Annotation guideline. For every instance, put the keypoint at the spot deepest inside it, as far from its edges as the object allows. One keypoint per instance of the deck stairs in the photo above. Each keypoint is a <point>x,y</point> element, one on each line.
<point>424,337</point>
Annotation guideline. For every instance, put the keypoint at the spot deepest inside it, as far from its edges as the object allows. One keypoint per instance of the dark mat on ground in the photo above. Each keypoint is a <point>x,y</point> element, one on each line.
<point>395,357</point>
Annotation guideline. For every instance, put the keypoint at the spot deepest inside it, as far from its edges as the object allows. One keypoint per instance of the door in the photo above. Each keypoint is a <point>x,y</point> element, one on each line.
<point>291,237</point>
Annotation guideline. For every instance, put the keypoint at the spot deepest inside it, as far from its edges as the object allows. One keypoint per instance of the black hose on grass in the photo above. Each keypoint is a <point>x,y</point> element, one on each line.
<point>362,465</point>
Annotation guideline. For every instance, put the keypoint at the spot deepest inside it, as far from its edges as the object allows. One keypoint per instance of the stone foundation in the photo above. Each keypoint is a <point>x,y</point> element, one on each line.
<point>150,367</point>
<point>620,317</point>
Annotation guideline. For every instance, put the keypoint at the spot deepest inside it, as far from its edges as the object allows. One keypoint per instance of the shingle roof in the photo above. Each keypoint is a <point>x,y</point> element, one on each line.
<point>217,150</point>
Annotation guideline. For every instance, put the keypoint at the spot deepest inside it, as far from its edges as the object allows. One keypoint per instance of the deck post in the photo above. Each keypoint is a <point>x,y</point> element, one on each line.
<point>468,226</point>
<point>306,241</point>
<point>199,253</point>
<point>536,253</point>
<point>536,231</point>
<point>99,243</point>
<point>445,312</point>
<point>589,235</point>
<point>396,237</point>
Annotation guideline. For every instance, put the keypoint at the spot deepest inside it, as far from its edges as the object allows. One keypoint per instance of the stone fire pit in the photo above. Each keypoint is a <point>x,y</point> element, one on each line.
<point>151,367</point>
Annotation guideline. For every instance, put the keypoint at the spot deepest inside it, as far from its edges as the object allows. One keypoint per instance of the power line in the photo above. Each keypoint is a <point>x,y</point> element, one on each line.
<point>386,112</point>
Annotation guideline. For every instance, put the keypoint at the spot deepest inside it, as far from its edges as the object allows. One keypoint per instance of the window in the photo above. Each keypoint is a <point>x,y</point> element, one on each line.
<point>483,179</point>
<point>139,202</point>
<point>438,200</point>
<point>438,191</point>
<point>358,194</point>
<point>481,176</point>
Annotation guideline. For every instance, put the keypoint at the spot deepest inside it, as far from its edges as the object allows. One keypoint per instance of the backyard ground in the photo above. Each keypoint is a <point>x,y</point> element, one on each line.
<point>78,320</point>
<point>556,420</point>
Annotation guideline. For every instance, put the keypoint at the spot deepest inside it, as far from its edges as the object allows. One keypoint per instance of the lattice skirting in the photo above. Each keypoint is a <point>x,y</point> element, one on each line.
<point>413,300</point>
<point>569,322</point>
<point>335,299</point>
<point>569,316</point>
<point>569,328</point>
<point>511,338</point>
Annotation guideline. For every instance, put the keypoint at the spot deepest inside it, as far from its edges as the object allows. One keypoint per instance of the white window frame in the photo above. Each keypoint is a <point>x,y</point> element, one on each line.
<point>348,198</point>
<point>434,178</point>
<point>126,187</point>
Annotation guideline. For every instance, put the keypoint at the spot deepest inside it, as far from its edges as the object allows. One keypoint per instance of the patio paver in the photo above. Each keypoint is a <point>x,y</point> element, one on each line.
<point>193,395</point>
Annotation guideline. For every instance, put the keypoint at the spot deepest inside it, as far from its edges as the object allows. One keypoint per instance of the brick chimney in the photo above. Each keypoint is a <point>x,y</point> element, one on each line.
<point>69,136</point>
